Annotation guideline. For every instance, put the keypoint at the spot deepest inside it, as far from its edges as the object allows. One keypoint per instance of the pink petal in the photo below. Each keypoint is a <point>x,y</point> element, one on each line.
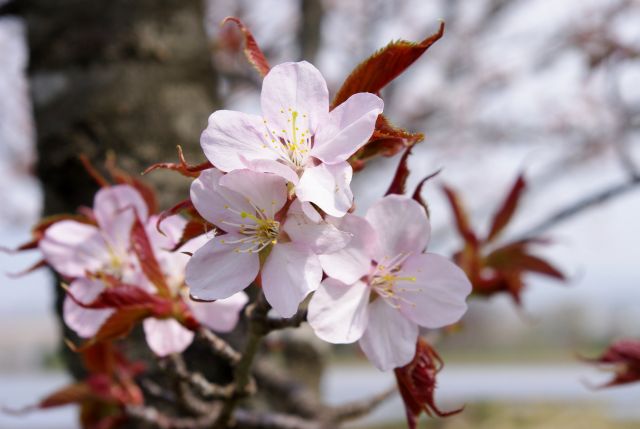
<point>166,336</point>
<point>437,297</point>
<point>338,313</point>
<point>217,271</point>
<point>390,338</point>
<point>221,315</point>
<point>230,135</point>
<point>116,208</point>
<point>73,248</point>
<point>349,127</point>
<point>214,202</point>
<point>402,226</point>
<point>262,190</point>
<point>271,166</point>
<point>84,321</point>
<point>354,261</point>
<point>290,273</point>
<point>321,237</point>
<point>310,211</point>
<point>294,87</point>
<point>327,186</point>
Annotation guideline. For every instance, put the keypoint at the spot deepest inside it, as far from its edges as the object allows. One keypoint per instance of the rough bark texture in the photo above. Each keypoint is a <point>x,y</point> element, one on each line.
<point>133,77</point>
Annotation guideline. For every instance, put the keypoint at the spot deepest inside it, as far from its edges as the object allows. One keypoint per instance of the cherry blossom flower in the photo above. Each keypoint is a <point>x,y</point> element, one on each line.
<point>83,252</point>
<point>382,287</point>
<point>249,206</point>
<point>77,250</point>
<point>297,137</point>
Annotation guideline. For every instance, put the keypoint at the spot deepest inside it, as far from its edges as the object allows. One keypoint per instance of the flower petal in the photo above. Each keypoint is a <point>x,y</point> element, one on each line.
<point>230,135</point>
<point>390,338</point>
<point>294,87</point>
<point>437,297</point>
<point>402,226</point>
<point>271,166</point>
<point>221,315</point>
<point>115,209</point>
<point>353,261</point>
<point>84,321</point>
<point>338,313</point>
<point>262,190</point>
<point>349,127</point>
<point>321,237</point>
<point>73,248</point>
<point>166,336</point>
<point>290,273</point>
<point>214,201</point>
<point>327,186</point>
<point>217,271</point>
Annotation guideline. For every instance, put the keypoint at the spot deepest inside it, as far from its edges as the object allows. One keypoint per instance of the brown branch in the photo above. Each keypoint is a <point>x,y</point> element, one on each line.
<point>199,382</point>
<point>159,420</point>
<point>580,206</point>
<point>260,420</point>
<point>219,346</point>
<point>256,314</point>
<point>292,322</point>
<point>357,409</point>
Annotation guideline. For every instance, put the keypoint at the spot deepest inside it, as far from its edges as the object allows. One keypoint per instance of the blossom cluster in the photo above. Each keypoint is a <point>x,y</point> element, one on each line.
<point>280,195</point>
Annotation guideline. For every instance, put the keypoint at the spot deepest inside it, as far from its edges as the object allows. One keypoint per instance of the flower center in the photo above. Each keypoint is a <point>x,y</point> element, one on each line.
<point>262,232</point>
<point>388,284</point>
<point>292,144</point>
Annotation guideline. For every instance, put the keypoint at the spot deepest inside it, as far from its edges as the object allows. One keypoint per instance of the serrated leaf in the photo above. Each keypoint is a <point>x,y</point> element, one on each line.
<point>382,67</point>
<point>504,214</point>
<point>460,216</point>
<point>148,262</point>
<point>251,49</point>
<point>399,182</point>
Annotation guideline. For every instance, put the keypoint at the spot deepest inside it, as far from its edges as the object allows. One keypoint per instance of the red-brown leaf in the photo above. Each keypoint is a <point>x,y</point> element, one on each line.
<point>417,194</point>
<point>118,325</point>
<point>383,66</point>
<point>182,167</point>
<point>71,394</point>
<point>460,216</point>
<point>623,357</point>
<point>504,214</point>
<point>126,295</point>
<point>148,262</point>
<point>251,49</point>
<point>399,182</point>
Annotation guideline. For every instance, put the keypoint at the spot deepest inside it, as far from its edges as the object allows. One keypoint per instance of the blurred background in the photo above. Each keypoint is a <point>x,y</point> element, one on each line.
<point>548,88</point>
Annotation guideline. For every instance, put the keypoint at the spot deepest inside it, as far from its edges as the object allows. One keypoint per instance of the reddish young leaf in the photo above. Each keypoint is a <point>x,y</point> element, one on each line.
<point>182,167</point>
<point>118,325</point>
<point>383,66</point>
<point>514,257</point>
<point>460,215</point>
<point>399,182</point>
<point>72,394</point>
<point>504,214</point>
<point>92,171</point>
<point>417,194</point>
<point>121,177</point>
<point>417,384</point>
<point>251,49</point>
<point>125,296</point>
<point>181,206</point>
<point>623,357</point>
<point>386,140</point>
<point>146,257</point>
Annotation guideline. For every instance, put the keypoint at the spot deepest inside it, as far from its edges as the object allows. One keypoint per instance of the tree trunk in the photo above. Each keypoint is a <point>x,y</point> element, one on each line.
<point>133,77</point>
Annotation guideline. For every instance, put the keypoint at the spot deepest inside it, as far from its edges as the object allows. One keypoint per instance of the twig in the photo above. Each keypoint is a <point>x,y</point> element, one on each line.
<point>580,206</point>
<point>257,420</point>
<point>256,314</point>
<point>296,397</point>
<point>219,346</point>
<point>199,382</point>
<point>361,408</point>
<point>292,322</point>
<point>159,420</point>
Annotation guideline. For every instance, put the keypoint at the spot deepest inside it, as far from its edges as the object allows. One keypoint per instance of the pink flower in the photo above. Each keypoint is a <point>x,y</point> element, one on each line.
<point>247,205</point>
<point>76,249</point>
<point>167,336</point>
<point>382,286</point>
<point>297,137</point>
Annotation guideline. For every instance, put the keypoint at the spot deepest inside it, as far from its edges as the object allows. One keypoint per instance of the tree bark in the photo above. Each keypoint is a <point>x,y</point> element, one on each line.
<point>133,77</point>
